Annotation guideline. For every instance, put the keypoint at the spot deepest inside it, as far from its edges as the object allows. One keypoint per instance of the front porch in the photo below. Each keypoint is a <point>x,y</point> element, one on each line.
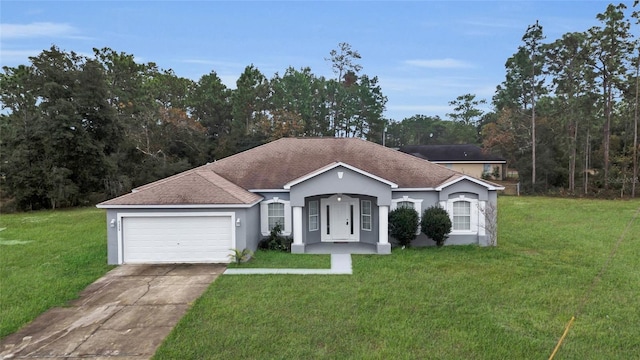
<point>340,248</point>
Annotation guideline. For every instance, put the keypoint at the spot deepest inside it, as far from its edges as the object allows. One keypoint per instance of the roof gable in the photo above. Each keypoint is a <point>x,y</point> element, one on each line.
<point>457,179</point>
<point>329,167</point>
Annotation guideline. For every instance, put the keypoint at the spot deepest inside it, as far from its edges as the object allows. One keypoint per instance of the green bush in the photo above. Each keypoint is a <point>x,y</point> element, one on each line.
<point>276,241</point>
<point>403,225</point>
<point>436,224</point>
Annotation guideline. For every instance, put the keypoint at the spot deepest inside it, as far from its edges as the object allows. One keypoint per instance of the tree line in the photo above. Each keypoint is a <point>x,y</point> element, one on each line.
<point>78,129</point>
<point>566,115</point>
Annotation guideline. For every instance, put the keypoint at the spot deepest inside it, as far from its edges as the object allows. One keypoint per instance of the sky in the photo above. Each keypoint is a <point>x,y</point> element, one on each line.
<point>424,53</point>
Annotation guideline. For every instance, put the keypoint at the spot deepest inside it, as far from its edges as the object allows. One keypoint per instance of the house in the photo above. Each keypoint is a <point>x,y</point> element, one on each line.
<point>322,191</point>
<point>468,159</point>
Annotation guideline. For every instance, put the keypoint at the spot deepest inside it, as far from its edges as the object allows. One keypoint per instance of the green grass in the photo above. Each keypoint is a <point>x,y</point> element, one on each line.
<point>509,302</point>
<point>46,259</point>
<point>276,259</point>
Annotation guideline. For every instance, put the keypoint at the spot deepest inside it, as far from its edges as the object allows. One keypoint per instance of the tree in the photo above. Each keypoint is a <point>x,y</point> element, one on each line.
<point>249,105</point>
<point>210,104</point>
<point>573,80</point>
<point>356,102</point>
<point>436,224</point>
<point>532,39</point>
<point>61,130</point>
<point>343,62</point>
<point>466,109</point>
<point>300,92</point>
<point>609,49</point>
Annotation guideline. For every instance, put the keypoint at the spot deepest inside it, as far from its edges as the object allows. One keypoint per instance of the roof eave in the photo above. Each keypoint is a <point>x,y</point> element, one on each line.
<point>450,182</point>
<point>179,206</point>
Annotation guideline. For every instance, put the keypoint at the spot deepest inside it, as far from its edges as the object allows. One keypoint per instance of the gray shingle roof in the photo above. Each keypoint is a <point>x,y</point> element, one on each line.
<point>450,153</point>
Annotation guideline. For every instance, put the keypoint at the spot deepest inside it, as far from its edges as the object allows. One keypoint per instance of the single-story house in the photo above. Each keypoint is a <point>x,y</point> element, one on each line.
<point>467,159</point>
<point>322,191</point>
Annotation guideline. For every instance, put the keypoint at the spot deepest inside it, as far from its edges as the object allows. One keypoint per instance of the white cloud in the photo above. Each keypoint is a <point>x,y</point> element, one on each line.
<point>447,63</point>
<point>38,29</point>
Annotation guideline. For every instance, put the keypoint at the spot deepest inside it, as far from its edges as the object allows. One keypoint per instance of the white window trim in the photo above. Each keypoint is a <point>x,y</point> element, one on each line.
<point>417,206</point>
<point>474,209</point>
<point>317,215</point>
<point>362,215</point>
<point>264,216</point>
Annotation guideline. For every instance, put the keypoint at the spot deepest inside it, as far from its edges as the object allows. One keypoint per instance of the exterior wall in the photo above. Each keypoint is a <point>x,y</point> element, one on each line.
<point>351,183</point>
<point>429,198</point>
<point>245,233</point>
<point>474,169</point>
<point>312,237</point>
<point>251,225</point>
<point>469,190</point>
<point>366,236</point>
<point>464,186</point>
<point>112,237</point>
<point>284,195</point>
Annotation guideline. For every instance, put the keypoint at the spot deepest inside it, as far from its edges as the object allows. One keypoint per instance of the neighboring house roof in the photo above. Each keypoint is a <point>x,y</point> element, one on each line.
<point>282,162</point>
<point>451,153</point>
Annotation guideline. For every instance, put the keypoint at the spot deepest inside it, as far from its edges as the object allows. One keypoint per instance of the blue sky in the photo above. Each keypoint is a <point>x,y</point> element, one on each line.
<point>425,53</point>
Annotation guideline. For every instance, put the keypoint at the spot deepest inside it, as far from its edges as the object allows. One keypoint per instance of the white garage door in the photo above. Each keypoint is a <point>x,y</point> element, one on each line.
<point>176,239</point>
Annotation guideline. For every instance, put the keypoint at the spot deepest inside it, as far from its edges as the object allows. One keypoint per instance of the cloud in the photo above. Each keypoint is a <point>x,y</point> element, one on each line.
<point>447,63</point>
<point>38,29</point>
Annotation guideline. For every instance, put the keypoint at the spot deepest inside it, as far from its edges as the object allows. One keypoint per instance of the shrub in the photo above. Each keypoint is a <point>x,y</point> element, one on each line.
<point>403,224</point>
<point>241,256</point>
<point>276,241</point>
<point>436,224</point>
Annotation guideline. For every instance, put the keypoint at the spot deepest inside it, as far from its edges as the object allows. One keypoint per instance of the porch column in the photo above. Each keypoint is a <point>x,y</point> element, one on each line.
<point>383,224</point>
<point>297,225</point>
<point>383,245</point>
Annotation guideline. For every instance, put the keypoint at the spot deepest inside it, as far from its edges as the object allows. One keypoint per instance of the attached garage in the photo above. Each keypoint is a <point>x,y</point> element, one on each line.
<point>176,238</point>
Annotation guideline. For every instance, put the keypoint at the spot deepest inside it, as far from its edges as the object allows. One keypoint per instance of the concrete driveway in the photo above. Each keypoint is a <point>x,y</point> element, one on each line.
<point>124,315</point>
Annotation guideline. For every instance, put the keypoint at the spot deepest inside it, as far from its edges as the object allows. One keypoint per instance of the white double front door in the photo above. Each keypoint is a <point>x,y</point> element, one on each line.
<point>340,218</point>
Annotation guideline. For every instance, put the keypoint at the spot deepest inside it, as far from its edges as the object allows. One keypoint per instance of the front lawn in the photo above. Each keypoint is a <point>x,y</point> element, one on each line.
<point>46,259</point>
<point>509,302</point>
<point>277,259</point>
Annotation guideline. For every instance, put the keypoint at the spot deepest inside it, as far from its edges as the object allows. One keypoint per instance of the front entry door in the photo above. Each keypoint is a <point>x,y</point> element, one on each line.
<point>339,218</point>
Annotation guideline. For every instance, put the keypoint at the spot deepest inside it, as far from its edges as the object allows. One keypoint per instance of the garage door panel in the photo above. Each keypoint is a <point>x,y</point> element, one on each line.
<point>177,239</point>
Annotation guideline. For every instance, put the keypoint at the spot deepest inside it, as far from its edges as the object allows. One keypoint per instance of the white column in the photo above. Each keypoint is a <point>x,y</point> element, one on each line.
<point>297,225</point>
<point>383,224</point>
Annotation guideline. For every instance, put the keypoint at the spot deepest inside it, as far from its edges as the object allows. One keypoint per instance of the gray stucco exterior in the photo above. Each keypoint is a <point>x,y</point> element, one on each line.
<point>323,186</point>
<point>247,234</point>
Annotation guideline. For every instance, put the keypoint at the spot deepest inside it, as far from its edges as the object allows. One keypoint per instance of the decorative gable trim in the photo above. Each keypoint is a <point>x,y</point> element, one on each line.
<point>332,166</point>
<point>488,185</point>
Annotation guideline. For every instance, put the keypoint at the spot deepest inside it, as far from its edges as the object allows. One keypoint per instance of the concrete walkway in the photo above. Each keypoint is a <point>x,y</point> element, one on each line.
<point>126,314</point>
<point>340,265</point>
